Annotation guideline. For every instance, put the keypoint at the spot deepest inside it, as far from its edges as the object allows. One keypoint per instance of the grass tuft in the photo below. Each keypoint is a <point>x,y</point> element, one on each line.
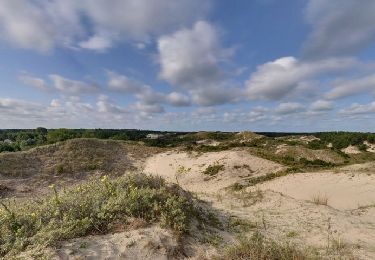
<point>319,199</point>
<point>257,247</point>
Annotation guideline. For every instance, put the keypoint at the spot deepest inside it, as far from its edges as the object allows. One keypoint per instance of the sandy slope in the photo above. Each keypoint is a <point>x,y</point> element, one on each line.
<point>187,168</point>
<point>282,209</point>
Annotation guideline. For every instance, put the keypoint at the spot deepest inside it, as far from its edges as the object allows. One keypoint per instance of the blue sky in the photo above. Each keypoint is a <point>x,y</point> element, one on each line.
<point>261,65</point>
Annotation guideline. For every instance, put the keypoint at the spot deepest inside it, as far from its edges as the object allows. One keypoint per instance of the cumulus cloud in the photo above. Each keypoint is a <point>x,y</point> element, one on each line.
<point>289,108</point>
<point>72,87</point>
<point>339,27</point>
<point>67,112</point>
<point>275,80</point>
<point>35,82</point>
<point>20,107</point>
<point>45,24</point>
<point>215,95</point>
<point>59,83</point>
<point>356,109</point>
<point>122,83</point>
<point>148,108</point>
<point>321,105</point>
<point>350,87</point>
<point>178,99</point>
<point>105,105</point>
<point>190,57</point>
<point>145,94</point>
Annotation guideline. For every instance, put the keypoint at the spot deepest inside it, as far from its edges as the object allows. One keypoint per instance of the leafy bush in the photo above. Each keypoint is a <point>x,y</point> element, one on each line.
<point>363,147</point>
<point>94,208</point>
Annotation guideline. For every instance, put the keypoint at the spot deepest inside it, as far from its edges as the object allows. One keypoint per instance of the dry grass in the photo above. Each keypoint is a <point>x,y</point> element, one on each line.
<point>320,199</point>
<point>257,247</point>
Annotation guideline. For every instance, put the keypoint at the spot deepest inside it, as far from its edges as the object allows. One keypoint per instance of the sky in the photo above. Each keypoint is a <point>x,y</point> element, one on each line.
<point>188,65</point>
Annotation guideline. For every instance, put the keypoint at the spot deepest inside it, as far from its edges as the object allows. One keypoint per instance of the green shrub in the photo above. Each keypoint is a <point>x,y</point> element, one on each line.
<point>317,145</point>
<point>315,163</point>
<point>94,208</point>
<point>363,147</point>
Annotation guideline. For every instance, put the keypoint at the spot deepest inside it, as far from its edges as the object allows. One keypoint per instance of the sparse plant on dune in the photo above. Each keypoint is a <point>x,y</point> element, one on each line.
<point>213,169</point>
<point>320,199</point>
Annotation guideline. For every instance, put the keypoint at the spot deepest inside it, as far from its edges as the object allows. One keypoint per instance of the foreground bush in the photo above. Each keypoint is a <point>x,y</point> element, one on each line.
<point>94,208</point>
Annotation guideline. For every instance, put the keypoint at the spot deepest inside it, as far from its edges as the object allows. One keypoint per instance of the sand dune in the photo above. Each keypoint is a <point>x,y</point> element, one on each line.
<point>187,169</point>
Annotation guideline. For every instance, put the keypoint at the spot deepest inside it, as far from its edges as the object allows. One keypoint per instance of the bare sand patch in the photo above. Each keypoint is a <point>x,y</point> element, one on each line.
<point>187,169</point>
<point>145,243</point>
<point>351,150</point>
<point>322,227</point>
<point>342,191</point>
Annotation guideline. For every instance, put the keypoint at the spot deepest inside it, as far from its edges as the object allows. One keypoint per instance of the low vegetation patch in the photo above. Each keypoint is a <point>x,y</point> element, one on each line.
<point>214,169</point>
<point>95,208</point>
<point>239,225</point>
<point>257,247</point>
<point>267,177</point>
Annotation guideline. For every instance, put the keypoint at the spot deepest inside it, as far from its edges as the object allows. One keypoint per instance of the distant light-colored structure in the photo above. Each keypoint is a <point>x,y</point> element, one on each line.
<point>8,141</point>
<point>154,136</point>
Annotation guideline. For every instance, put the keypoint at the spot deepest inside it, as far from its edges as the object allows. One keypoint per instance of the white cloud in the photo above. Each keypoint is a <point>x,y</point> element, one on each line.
<point>356,109</point>
<point>96,42</point>
<point>289,108</point>
<point>45,24</point>
<point>122,83</point>
<point>339,27</point>
<point>72,87</point>
<point>178,99</point>
<point>55,103</point>
<point>275,80</point>
<point>105,105</point>
<point>39,25</point>
<point>35,82</point>
<point>190,57</point>
<point>257,113</point>
<point>350,87</point>
<point>215,95</point>
<point>321,105</point>
<point>145,94</point>
<point>148,108</point>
